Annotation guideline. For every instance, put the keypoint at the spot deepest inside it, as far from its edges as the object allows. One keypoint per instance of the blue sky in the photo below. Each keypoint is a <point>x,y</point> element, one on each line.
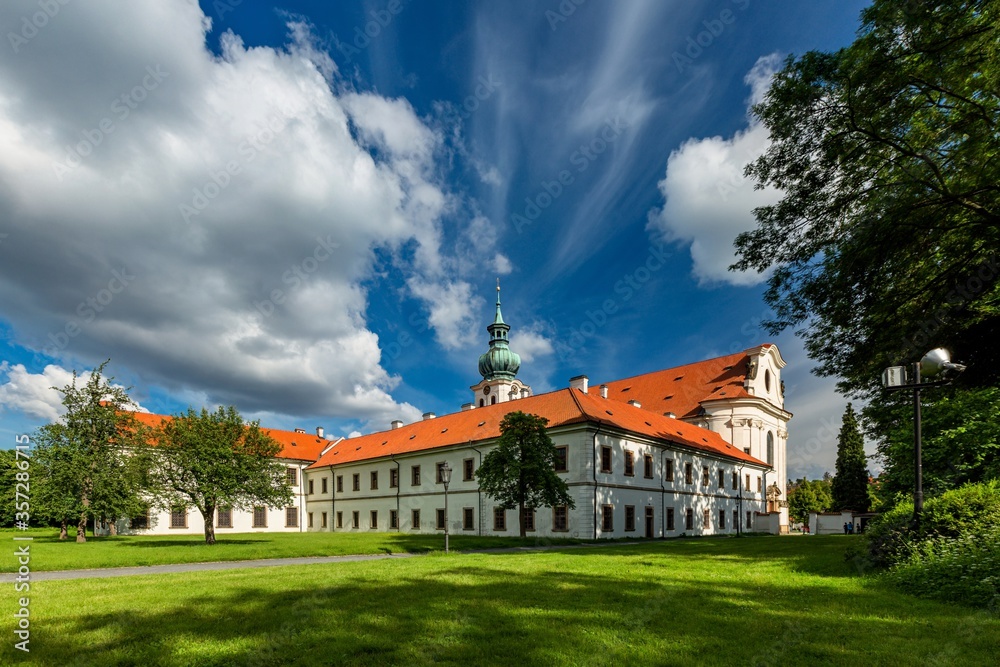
<point>302,209</point>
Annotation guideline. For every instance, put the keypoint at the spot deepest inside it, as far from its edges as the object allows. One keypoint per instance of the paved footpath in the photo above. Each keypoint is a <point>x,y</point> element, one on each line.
<point>264,562</point>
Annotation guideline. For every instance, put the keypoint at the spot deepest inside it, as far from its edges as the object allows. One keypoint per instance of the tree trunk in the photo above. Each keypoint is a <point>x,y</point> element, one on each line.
<point>522,520</point>
<point>208,515</point>
<point>112,528</point>
<point>63,532</point>
<point>81,528</point>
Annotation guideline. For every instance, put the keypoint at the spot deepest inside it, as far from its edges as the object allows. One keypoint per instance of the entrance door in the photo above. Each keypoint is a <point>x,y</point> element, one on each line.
<point>649,522</point>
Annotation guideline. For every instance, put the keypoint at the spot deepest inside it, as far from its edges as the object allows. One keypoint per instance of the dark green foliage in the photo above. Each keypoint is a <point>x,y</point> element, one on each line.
<point>215,460</point>
<point>8,470</point>
<point>805,496</point>
<point>519,472</point>
<point>90,466</point>
<point>850,484</point>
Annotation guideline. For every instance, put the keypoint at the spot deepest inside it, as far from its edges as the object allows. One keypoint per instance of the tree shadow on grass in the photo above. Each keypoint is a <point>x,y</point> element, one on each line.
<point>502,610</point>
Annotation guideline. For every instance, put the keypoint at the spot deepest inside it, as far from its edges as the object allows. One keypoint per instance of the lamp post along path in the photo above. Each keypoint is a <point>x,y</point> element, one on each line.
<point>446,479</point>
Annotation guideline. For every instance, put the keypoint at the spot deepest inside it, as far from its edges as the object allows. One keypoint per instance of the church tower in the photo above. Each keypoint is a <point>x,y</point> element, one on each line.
<point>498,366</point>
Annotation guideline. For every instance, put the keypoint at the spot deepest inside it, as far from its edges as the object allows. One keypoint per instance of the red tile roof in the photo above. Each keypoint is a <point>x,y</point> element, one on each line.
<point>562,407</point>
<point>681,390</point>
<point>294,446</point>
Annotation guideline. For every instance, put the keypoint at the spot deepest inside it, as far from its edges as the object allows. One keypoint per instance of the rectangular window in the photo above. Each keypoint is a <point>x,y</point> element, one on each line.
<point>178,517</point>
<point>393,519</point>
<point>415,476</point>
<point>668,470</point>
<point>722,479</point>
<point>292,476</point>
<point>468,470</point>
<point>439,472</point>
<point>374,476</point>
<point>323,519</point>
<point>310,487</point>
<point>323,484</point>
<point>560,519</point>
<point>529,518</point>
<point>499,519</point>
<point>415,519</point>
<point>374,519</point>
<point>356,481</point>
<point>689,519</point>
<point>706,518</point>
<point>759,489</point>
<point>440,518</point>
<point>736,481</point>
<point>224,517</point>
<point>629,463</point>
<point>561,459</point>
<point>630,517</point>
<point>736,519</point>
<point>393,478</point>
<point>749,525</point>
<point>260,517</point>
<point>340,483</point>
<point>310,515</point>
<point>647,466</point>
<point>140,522</point>
<point>747,487</point>
<point>704,475</point>
<point>340,519</point>
<point>605,459</point>
<point>608,518</point>
<point>356,519</point>
<point>688,474</point>
<point>722,519</point>
<point>468,518</point>
<point>291,517</point>
<point>670,518</point>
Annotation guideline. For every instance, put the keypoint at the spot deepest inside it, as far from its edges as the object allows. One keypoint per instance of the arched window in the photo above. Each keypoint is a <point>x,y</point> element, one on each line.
<point>770,448</point>
<point>481,402</point>
<point>493,399</point>
<point>767,381</point>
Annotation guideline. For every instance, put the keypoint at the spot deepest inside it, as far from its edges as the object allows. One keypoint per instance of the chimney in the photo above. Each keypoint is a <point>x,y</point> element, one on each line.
<point>429,415</point>
<point>579,382</point>
<point>635,403</point>
<point>604,391</point>
<point>396,423</point>
<point>467,406</point>
<point>300,430</point>
<point>319,432</point>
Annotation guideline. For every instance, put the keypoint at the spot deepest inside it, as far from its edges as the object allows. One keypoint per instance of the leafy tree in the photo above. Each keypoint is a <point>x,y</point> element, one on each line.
<point>807,496</point>
<point>215,460</point>
<point>8,470</point>
<point>850,484</point>
<point>520,471</point>
<point>89,466</point>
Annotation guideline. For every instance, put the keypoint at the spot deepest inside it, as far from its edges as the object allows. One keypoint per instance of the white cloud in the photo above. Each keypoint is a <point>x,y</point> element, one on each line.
<point>35,394</point>
<point>242,195</point>
<point>453,311</point>
<point>708,201</point>
<point>531,342</point>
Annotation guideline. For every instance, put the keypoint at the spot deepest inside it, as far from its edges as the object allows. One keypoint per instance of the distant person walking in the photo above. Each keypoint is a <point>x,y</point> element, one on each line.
<point>850,528</point>
<point>845,528</point>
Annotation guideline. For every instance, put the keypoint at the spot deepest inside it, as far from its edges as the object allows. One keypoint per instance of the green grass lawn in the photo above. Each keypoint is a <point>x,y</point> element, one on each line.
<point>49,553</point>
<point>752,601</point>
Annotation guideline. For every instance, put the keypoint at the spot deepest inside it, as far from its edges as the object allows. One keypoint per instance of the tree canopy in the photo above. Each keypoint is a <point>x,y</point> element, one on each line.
<point>520,471</point>
<point>89,465</point>
<point>805,496</point>
<point>886,241</point>
<point>850,484</point>
<point>215,460</point>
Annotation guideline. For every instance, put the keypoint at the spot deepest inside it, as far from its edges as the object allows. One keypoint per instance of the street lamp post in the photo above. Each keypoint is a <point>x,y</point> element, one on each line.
<point>934,364</point>
<point>446,479</point>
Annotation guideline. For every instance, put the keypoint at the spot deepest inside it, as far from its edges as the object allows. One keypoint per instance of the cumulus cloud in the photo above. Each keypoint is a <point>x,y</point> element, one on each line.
<point>708,201</point>
<point>531,342</point>
<point>36,394</point>
<point>210,220</point>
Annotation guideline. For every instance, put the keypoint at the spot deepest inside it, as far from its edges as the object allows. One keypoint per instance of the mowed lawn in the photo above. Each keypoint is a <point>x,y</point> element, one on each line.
<point>750,601</point>
<point>49,553</point>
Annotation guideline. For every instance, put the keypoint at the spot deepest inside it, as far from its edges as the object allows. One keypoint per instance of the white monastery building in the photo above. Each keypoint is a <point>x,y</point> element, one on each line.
<point>698,449</point>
